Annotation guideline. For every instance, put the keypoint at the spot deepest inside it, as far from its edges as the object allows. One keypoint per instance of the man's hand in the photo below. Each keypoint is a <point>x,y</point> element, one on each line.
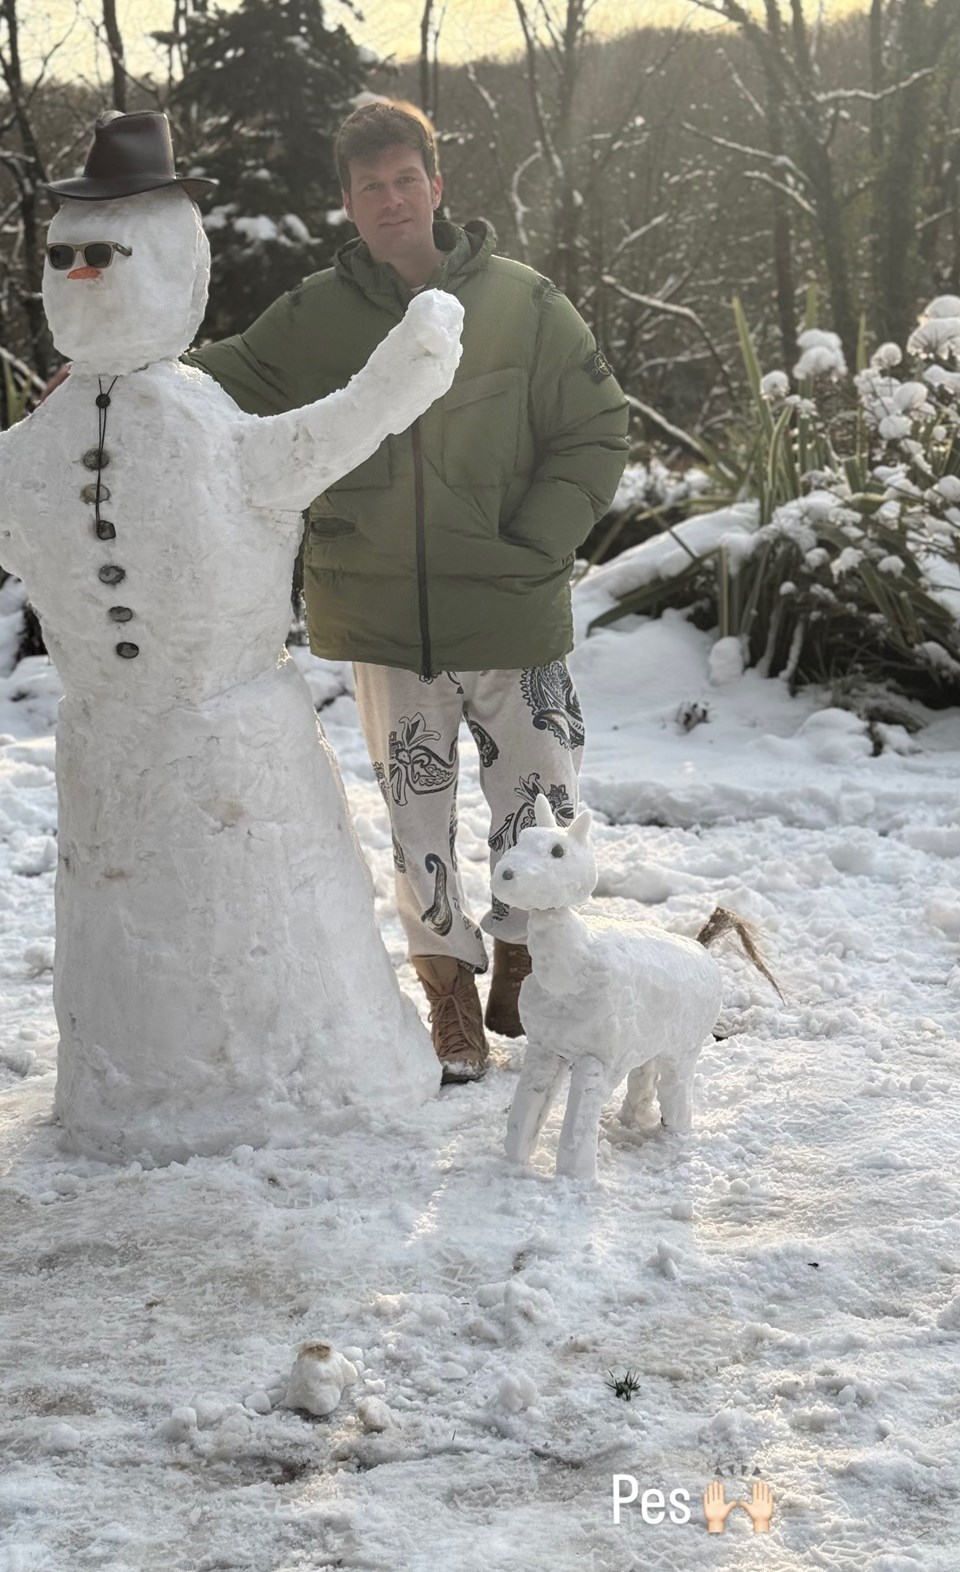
<point>715,1509</point>
<point>760,1506</point>
<point>59,376</point>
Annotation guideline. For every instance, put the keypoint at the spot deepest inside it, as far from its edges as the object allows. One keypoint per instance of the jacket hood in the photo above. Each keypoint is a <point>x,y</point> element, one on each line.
<point>464,251</point>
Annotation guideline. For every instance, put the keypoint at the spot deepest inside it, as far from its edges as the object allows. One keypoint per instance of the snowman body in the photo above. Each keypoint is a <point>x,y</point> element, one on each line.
<point>219,978</point>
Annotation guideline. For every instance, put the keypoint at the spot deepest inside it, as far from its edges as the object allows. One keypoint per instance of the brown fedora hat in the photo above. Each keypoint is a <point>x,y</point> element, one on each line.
<point>130,154</point>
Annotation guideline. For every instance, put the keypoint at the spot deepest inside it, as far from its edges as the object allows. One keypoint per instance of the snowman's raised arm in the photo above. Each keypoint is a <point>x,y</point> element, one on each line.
<point>289,459</point>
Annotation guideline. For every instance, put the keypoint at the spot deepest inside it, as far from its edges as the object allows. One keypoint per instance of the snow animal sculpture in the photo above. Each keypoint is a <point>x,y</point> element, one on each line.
<point>219,977</point>
<point>606,995</point>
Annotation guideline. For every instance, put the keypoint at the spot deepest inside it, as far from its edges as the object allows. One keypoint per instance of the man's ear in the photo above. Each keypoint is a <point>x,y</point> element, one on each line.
<point>346,202</point>
<point>437,188</point>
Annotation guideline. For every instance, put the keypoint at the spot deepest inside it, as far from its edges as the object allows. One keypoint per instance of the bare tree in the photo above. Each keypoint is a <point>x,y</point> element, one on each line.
<point>813,114</point>
<point>803,121</point>
<point>554,37</point>
<point>24,166</point>
<point>430,25</point>
<point>908,41</point>
<point>115,46</point>
<point>939,222</point>
<point>781,207</point>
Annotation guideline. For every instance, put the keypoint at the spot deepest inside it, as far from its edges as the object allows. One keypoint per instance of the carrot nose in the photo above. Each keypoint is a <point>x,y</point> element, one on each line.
<point>85,272</point>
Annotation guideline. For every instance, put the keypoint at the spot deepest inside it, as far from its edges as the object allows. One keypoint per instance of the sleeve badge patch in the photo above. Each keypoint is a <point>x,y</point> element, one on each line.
<point>598,366</point>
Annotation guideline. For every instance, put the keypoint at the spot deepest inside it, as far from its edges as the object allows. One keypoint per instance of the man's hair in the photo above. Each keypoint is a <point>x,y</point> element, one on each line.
<point>374,127</point>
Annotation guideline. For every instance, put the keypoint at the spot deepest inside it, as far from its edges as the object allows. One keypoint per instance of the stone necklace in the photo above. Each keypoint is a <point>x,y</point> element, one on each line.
<point>97,458</point>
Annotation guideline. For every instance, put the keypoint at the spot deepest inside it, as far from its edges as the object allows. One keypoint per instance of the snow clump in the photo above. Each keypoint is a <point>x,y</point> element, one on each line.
<point>821,354</point>
<point>318,1378</point>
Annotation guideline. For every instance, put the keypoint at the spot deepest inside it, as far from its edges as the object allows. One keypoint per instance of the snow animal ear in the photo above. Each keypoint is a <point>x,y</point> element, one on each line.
<point>580,828</point>
<point>543,813</point>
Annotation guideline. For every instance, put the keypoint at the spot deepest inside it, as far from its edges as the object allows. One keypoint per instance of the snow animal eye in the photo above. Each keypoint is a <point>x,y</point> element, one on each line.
<point>558,850</point>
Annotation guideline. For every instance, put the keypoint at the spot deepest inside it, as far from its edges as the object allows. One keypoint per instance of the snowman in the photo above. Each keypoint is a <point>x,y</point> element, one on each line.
<point>219,977</point>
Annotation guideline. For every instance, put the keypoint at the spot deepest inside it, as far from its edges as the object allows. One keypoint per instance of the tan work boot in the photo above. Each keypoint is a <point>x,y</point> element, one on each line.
<point>456,1019</point>
<point>511,964</point>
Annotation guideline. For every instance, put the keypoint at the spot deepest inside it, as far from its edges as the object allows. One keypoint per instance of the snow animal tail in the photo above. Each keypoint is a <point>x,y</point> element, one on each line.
<point>723,921</point>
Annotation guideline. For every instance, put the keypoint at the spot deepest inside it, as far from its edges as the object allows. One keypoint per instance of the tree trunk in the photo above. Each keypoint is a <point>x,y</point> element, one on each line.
<point>29,178</point>
<point>818,167</point>
<point>898,187</point>
<point>568,217</point>
<point>115,44</point>
<point>877,145</point>
<point>427,77</point>
<point>782,234</point>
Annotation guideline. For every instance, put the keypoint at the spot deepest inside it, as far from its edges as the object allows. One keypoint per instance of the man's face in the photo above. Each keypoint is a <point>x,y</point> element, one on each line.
<point>392,201</point>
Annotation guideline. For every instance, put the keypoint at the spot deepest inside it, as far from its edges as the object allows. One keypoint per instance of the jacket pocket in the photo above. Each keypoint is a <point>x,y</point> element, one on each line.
<point>327,526</point>
<point>337,511</point>
<point>482,417</point>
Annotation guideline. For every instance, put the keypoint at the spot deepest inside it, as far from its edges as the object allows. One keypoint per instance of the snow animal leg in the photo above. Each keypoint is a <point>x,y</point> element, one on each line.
<point>577,1150</point>
<point>675,1093</point>
<point>536,1089</point>
<point>641,1084</point>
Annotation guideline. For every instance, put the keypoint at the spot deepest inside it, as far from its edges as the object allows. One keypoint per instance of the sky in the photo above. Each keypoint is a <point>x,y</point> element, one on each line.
<point>470,28</point>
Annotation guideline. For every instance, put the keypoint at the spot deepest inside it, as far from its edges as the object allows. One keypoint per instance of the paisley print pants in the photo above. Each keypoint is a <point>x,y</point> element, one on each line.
<point>528,730</point>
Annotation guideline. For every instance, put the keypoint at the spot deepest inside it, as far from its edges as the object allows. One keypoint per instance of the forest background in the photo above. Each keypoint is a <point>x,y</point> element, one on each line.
<point>762,185</point>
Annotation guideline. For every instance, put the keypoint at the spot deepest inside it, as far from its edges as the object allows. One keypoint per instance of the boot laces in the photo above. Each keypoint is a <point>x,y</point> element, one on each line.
<point>456,1011</point>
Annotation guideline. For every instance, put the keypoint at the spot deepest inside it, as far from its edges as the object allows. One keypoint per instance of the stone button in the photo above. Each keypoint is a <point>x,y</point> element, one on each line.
<point>93,459</point>
<point>105,530</point>
<point>109,574</point>
<point>89,493</point>
<point>128,651</point>
<point>120,613</point>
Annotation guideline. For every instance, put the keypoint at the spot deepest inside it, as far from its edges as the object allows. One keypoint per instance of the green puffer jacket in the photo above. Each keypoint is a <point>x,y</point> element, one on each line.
<point>451,548</point>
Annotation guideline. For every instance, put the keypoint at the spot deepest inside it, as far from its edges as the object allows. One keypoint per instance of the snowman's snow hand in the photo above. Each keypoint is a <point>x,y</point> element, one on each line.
<point>723,921</point>
<point>434,322</point>
<point>415,363</point>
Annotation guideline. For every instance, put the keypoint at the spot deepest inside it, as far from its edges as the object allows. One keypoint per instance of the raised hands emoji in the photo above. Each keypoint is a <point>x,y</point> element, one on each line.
<point>715,1509</point>
<point>760,1506</point>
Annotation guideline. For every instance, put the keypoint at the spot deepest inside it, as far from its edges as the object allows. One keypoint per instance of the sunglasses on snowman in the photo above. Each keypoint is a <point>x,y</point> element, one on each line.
<point>97,253</point>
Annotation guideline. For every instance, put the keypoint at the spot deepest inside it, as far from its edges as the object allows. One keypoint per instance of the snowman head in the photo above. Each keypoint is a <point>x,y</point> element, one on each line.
<point>141,307</point>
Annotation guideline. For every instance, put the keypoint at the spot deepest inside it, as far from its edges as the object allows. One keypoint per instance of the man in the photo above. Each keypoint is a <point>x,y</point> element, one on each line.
<point>441,567</point>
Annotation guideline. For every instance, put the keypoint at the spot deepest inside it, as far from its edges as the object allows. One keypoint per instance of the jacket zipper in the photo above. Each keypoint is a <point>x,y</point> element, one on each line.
<point>425,651</point>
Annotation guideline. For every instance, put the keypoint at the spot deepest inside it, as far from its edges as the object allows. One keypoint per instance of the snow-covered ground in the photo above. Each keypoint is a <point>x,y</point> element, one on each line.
<point>784,1282</point>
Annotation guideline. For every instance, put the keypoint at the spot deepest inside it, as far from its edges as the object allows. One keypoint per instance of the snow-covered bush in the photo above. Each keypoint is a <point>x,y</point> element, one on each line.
<point>854,561</point>
<point>648,497</point>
